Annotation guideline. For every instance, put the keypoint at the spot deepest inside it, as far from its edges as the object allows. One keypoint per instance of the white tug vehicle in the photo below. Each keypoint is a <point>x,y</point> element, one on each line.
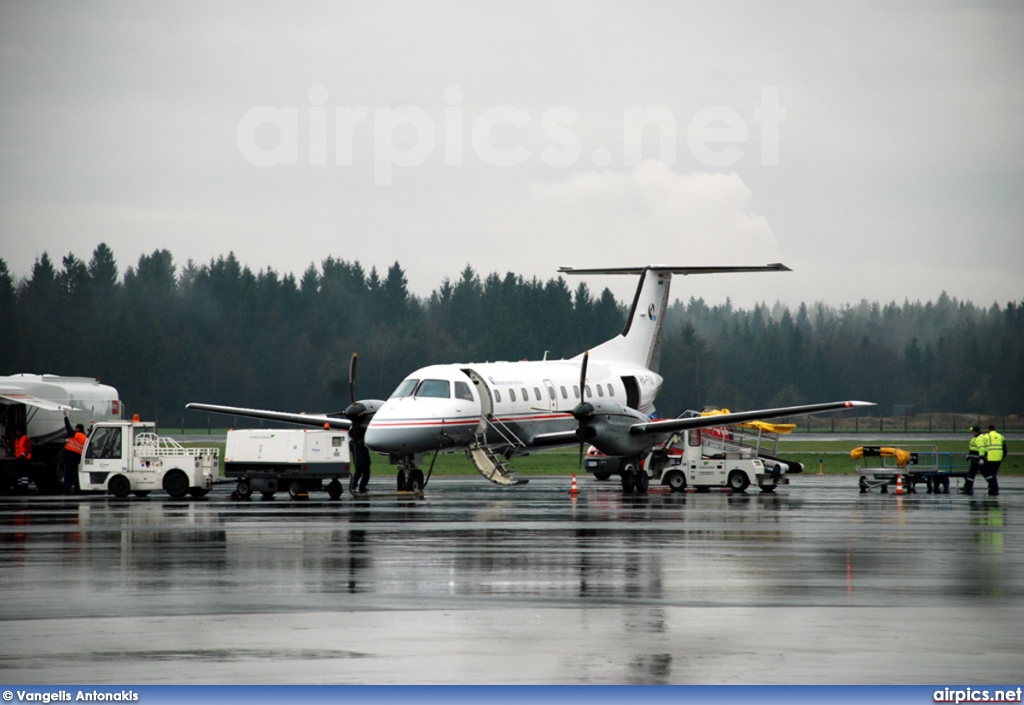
<point>128,457</point>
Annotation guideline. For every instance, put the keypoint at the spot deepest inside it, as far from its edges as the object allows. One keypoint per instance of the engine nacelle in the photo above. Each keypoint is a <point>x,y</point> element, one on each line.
<point>607,425</point>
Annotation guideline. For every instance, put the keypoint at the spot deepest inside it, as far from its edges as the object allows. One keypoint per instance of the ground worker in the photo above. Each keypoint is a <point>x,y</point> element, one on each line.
<point>72,455</point>
<point>995,448</point>
<point>23,456</point>
<point>976,457</point>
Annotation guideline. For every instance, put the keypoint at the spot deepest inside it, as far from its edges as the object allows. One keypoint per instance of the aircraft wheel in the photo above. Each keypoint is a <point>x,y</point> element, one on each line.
<point>176,483</point>
<point>416,480</point>
<point>244,489</point>
<point>119,486</point>
<point>141,493</point>
<point>401,481</point>
<point>628,482</point>
<point>334,489</point>
<point>643,481</point>
<point>676,480</point>
<point>738,481</point>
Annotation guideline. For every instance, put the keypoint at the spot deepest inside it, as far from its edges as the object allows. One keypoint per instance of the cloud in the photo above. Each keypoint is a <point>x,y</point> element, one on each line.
<point>653,201</point>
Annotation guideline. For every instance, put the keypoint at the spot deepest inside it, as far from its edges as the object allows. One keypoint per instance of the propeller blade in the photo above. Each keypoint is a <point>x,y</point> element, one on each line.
<point>583,397</point>
<point>352,377</point>
<point>583,377</point>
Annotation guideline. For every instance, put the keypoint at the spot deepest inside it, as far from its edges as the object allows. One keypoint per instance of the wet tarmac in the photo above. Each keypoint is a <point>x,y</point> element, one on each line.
<point>816,583</point>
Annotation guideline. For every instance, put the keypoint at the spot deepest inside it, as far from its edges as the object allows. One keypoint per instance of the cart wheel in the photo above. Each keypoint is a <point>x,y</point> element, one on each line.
<point>244,489</point>
<point>334,489</point>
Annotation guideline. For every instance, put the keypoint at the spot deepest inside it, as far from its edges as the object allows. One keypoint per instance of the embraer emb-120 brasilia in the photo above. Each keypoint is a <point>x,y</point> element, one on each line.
<point>497,410</point>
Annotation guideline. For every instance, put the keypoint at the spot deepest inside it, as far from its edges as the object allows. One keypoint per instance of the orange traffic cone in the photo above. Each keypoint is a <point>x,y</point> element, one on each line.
<point>573,489</point>
<point>899,484</point>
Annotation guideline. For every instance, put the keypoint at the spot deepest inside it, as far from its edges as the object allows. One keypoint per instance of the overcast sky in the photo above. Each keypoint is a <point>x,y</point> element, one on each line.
<point>875,148</point>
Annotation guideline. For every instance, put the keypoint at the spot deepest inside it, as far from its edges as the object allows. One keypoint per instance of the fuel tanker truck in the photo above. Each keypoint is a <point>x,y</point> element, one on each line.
<point>37,404</point>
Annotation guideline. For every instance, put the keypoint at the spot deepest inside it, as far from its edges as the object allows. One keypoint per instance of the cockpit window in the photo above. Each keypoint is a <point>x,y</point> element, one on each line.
<point>405,389</point>
<point>462,391</point>
<point>439,388</point>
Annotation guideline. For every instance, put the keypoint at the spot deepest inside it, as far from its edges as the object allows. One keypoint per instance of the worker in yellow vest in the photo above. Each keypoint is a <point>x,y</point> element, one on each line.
<point>976,457</point>
<point>995,449</point>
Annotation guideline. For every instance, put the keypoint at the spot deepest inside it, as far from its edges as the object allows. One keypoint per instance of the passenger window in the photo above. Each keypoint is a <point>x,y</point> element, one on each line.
<point>586,388</point>
<point>462,391</point>
<point>564,395</point>
<point>497,395</point>
<point>600,390</point>
<point>512,394</point>
<point>536,393</point>
<point>575,392</point>
<point>436,388</point>
<point>611,390</point>
<point>551,393</point>
<point>526,394</point>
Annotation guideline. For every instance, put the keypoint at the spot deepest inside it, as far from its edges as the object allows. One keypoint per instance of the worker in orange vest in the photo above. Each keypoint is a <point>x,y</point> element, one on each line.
<point>72,455</point>
<point>23,456</point>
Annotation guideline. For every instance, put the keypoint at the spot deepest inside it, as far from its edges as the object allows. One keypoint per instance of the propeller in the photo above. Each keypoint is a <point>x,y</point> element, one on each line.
<point>583,411</point>
<point>356,410</point>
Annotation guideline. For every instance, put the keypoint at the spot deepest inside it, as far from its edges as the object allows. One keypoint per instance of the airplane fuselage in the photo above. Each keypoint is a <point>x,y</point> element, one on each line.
<point>440,407</point>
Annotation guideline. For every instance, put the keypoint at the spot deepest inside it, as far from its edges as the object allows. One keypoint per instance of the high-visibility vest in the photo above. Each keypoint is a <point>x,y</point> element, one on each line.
<point>976,447</point>
<point>76,443</point>
<point>23,448</point>
<point>994,446</point>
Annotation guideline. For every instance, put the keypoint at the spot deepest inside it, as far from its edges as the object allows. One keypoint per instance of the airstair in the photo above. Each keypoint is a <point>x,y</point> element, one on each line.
<point>489,463</point>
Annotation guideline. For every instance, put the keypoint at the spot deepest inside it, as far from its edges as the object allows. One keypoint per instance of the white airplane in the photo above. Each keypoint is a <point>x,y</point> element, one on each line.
<point>497,410</point>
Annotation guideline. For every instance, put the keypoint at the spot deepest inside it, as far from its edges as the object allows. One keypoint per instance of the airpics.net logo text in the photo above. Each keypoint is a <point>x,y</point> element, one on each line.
<point>408,136</point>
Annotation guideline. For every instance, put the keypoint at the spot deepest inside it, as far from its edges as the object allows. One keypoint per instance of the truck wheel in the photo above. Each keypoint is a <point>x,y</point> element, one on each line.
<point>676,480</point>
<point>119,486</point>
<point>295,491</point>
<point>176,483</point>
<point>334,489</point>
<point>738,481</point>
<point>244,489</point>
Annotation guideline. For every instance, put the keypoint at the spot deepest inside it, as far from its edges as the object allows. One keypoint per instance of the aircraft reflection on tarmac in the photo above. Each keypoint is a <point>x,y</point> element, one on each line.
<point>598,587</point>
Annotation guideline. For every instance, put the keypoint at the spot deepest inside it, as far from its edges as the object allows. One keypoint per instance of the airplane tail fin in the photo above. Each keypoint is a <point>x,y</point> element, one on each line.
<point>639,341</point>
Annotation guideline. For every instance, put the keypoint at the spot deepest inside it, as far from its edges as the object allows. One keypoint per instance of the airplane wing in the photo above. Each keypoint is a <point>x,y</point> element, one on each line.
<point>318,420</point>
<point>672,425</point>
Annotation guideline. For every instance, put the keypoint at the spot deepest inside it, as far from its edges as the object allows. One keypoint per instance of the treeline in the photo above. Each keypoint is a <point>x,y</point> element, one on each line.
<point>221,333</point>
